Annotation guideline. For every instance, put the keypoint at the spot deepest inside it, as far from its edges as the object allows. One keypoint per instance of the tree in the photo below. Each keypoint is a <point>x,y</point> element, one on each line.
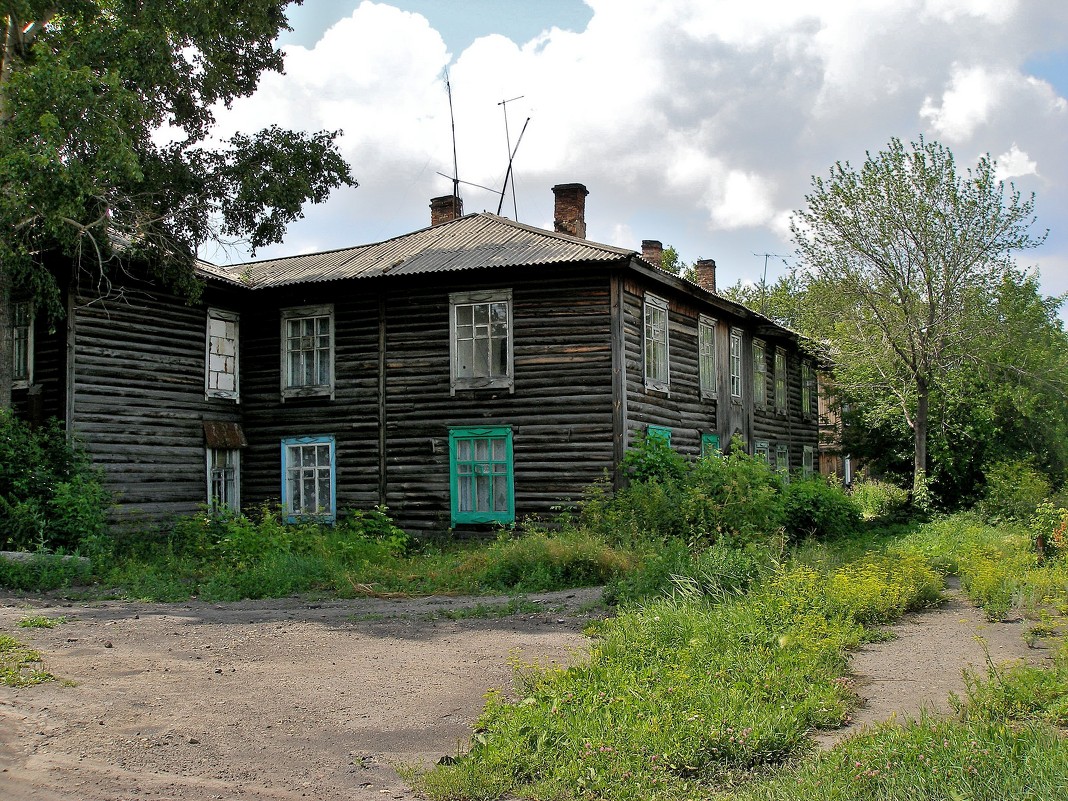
<point>106,113</point>
<point>899,262</point>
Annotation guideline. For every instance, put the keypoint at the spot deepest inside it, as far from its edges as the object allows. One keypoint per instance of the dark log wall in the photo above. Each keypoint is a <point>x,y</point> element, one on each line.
<point>682,409</point>
<point>560,410</point>
<point>138,398</point>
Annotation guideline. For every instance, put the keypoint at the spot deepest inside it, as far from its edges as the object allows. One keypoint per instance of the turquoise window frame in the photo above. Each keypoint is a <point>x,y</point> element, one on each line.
<point>328,515</point>
<point>465,469</point>
<point>710,445</point>
<point>662,433</point>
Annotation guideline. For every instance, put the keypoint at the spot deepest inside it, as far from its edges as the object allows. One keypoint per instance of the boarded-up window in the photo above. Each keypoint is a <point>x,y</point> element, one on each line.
<point>308,351</point>
<point>706,345</point>
<point>657,367</point>
<point>22,344</point>
<point>480,344</point>
<point>220,367</point>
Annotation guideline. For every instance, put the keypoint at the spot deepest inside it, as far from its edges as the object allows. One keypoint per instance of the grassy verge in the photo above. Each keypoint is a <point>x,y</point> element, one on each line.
<point>20,665</point>
<point>687,694</point>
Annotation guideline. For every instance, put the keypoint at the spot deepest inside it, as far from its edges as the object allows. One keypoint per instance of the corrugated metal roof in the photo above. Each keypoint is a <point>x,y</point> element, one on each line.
<point>468,243</point>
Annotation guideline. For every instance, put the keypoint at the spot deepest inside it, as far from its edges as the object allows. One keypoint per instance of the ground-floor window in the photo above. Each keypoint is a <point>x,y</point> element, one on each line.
<point>481,475</point>
<point>761,450</point>
<point>224,478</point>
<point>782,461</point>
<point>308,478</point>
<point>806,461</point>
<point>662,433</point>
<point>710,445</point>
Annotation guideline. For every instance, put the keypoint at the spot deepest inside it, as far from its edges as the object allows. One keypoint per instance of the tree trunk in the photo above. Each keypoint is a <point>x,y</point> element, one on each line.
<point>920,495</point>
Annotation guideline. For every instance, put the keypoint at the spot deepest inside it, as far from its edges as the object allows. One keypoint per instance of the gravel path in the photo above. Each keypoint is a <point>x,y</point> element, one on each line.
<point>293,699</point>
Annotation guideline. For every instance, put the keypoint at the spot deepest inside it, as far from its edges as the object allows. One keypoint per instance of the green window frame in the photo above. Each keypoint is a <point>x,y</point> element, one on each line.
<point>808,389</point>
<point>761,450</point>
<point>710,445</point>
<point>662,433</point>
<point>706,346</point>
<point>736,363</point>
<point>780,380</point>
<point>481,475</point>
<point>807,460</point>
<point>760,374</point>
<point>782,461</point>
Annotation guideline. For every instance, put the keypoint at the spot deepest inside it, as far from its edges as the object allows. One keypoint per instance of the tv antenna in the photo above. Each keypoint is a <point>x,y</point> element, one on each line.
<point>452,122</point>
<point>511,155</point>
<point>764,278</point>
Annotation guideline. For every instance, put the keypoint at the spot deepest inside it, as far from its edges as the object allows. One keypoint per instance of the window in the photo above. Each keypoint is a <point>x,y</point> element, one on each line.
<point>710,445</point>
<point>761,450</point>
<point>808,389</point>
<point>220,363</point>
<point>736,363</point>
<point>780,380</point>
<point>224,478</point>
<point>706,346</point>
<point>22,344</point>
<point>480,348</point>
<point>308,477</point>
<point>481,475</point>
<point>806,461</point>
<point>661,433</point>
<point>760,374</point>
<point>657,370</point>
<point>308,351</point>
<point>782,461</point>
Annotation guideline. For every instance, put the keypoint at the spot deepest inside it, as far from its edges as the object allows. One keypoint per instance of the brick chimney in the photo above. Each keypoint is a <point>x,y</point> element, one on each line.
<point>706,274</point>
<point>445,208</point>
<point>653,252</point>
<point>570,213</point>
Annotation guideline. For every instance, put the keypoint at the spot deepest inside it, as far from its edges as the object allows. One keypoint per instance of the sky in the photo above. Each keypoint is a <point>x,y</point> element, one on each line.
<point>699,123</point>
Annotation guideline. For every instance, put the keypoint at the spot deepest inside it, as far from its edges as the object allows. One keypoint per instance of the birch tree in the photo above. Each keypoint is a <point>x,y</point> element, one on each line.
<point>899,261</point>
<point>106,113</point>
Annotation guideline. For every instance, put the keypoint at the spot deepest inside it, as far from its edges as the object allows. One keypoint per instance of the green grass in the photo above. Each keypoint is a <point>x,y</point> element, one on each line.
<point>20,664</point>
<point>687,694</point>
<point>41,622</point>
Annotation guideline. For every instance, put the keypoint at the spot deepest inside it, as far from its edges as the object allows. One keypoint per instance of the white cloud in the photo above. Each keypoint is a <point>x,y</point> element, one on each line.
<point>1015,163</point>
<point>967,103</point>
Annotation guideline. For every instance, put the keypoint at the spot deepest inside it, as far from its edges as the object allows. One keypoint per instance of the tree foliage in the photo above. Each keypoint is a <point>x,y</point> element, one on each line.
<point>901,259</point>
<point>107,109</point>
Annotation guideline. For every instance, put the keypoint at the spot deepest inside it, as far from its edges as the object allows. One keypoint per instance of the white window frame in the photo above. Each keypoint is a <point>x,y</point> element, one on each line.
<point>221,357</point>
<point>781,385</point>
<point>291,447</point>
<point>760,374</point>
<point>807,460</point>
<point>492,380</point>
<point>657,343</point>
<point>22,332</point>
<point>706,355</point>
<point>290,389</point>
<point>736,363</point>
<point>213,458</point>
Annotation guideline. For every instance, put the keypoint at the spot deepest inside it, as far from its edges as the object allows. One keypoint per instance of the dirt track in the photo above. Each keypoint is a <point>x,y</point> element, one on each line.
<point>292,699</point>
<point>259,700</point>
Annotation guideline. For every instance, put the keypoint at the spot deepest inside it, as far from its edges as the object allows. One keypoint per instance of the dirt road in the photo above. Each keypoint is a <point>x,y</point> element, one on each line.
<point>259,700</point>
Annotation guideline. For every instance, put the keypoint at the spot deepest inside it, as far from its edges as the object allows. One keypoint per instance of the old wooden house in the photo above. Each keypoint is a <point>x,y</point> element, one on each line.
<point>467,374</point>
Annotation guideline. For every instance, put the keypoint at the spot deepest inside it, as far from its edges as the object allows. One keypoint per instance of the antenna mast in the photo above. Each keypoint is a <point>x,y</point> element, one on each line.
<point>764,278</point>
<point>452,122</point>
<point>511,154</point>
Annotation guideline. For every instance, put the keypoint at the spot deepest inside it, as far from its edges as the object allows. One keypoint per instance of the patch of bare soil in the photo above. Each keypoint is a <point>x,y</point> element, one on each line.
<point>926,660</point>
<point>282,699</point>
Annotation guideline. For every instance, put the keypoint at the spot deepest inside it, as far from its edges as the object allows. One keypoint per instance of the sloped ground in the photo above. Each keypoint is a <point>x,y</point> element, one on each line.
<point>294,699</point>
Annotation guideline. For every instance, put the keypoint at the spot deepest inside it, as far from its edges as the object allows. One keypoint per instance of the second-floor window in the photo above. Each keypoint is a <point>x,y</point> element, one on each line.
<point>480,344</point>
<point>780,380</point>
<point>760,374</point>
<point>220,364</point>
<point>657,368</point>
<point>706,345</point>
<point>808,390</point>
<point>736,363</point>
<point>308,351</point>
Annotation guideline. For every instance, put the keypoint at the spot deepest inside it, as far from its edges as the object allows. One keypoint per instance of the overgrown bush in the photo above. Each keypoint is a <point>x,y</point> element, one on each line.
<point>50,498</point>
<point>880,500</point>
<point>1049,528</point>
<point>1014,489</point>
<point>816,508</point>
